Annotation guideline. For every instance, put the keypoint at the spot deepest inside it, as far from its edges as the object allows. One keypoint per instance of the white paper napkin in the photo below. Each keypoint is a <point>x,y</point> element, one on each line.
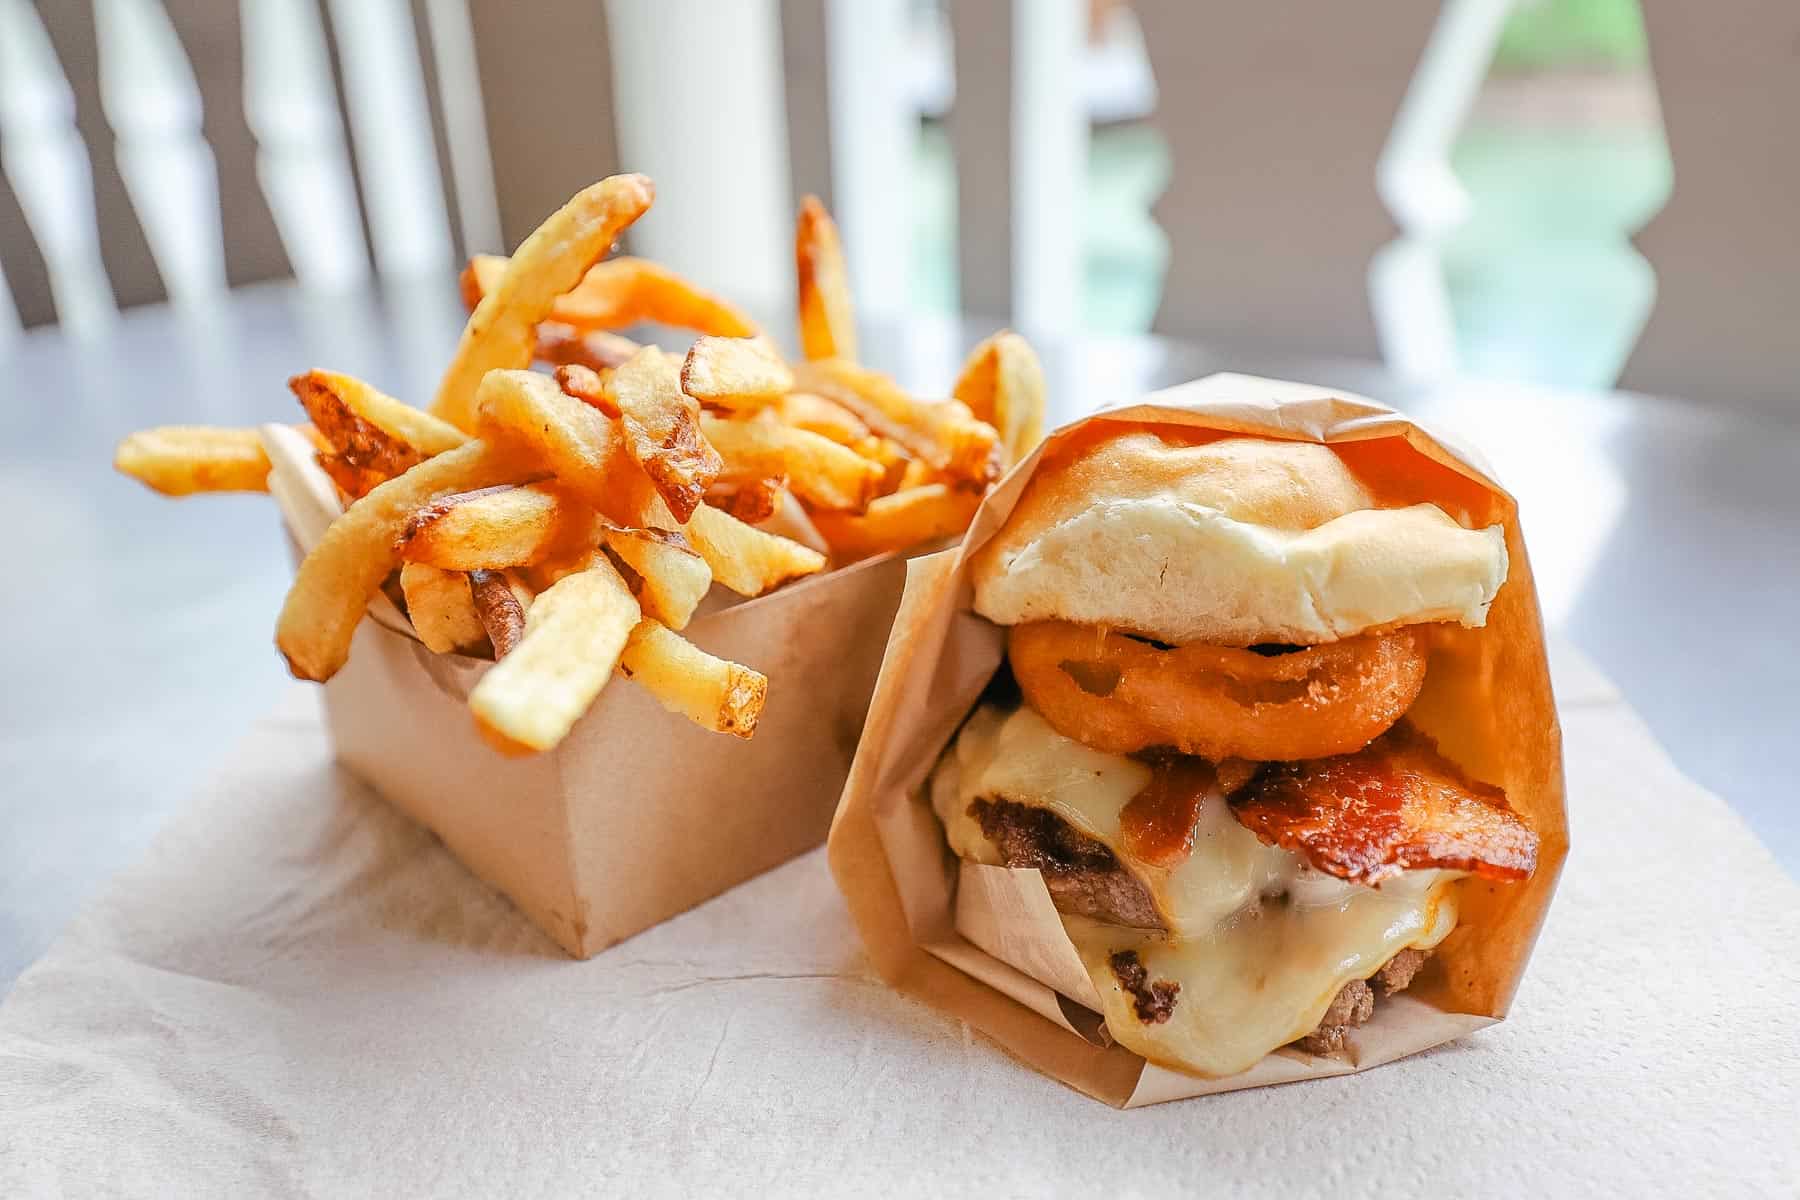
<point>299,992</point>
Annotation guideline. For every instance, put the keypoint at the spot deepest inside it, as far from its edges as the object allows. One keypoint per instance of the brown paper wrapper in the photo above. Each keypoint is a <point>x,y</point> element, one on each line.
<point>639,814</point>
<point>984,943</point>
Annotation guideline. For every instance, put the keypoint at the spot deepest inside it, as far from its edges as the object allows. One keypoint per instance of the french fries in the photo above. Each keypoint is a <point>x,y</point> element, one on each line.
<point>336,580</point>
<point>827,315</point>
<point>574,633</point>
<point>920,514</point>
<point>820,471</point>
<point>747,560</point>
<point>1002,383</point>
<point>498,527</point>
<point>502,331</point>
<point>625,291</point>
<point>570,524</point>
<point>662,429</point>
<point>741,374</point>
<point>711,692</point>
<point>675,578</point>
<point>942,432</point>
<point>500,603</point>
<point>181,460</point>
<point>373,412</point>
<point>441,609</point>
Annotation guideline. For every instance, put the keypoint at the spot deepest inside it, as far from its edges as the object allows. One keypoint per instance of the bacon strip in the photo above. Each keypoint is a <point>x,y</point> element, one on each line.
<point>1395,806</point>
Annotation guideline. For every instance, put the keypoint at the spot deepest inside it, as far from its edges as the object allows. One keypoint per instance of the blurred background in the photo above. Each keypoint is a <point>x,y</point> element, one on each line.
<point>1453,188</point>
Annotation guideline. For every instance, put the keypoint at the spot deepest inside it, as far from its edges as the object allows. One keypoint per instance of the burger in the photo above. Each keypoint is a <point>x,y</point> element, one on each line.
<point>1205,738</point>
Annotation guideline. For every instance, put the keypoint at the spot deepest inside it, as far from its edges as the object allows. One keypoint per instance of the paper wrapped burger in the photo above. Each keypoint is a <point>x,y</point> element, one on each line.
<point>1221,753</point>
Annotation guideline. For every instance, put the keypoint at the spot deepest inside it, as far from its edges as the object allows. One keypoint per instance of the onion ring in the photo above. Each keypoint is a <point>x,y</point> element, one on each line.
<point>1122,694</point>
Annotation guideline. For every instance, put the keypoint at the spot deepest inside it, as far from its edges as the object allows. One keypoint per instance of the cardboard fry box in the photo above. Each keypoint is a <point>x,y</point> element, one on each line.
<point>985,944</point>
<point>639,814</point>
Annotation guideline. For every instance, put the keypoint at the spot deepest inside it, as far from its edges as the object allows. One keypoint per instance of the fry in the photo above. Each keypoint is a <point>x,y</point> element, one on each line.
<point>942,432</point>
<point>573,441</point>
<point>746,560</point>
<point>736,373</point>
<point>625,291</point>
<point>346,568</point>
<point>907,518</point>
<point>498,527</point>
<point>502,331</point>
<point>401,422</point>
<point>595,349</point>
<point>711,692</point>
<point>574,633</point>
<point>441,609</point>
<point>1002,382</point>
<point>500,603</point>
<point>675,577</point>
<point>586,385</point>
<point>363,454</point>
<point>181,460</point>
<point>752,500</point>
<point>816,414</point>
<point>821,472</point>
<point>662,429</point>
<point>917,473</point>
<point>827,316</point>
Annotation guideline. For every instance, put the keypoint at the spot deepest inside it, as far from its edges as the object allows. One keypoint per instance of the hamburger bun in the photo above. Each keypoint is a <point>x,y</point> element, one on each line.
<point>1234,542</point>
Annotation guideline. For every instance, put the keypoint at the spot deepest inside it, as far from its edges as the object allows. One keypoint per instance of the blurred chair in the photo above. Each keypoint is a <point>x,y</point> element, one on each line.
<point>462,142</point>
<point>1726,258</point>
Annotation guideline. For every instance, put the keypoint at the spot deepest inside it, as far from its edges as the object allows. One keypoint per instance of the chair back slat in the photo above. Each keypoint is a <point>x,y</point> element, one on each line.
<point>212,37</point>
<point>551,138</point>
<point>980,129</point>
<point>806,70</point>
<point>27,275</point>
<point>1724,250</point>
<point>124,249</point>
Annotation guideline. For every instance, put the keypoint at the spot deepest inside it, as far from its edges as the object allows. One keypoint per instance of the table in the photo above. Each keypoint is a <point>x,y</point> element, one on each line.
<point>1665,535</point>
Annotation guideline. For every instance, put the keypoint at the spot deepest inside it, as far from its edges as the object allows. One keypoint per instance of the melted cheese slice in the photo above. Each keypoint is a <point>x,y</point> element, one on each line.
<point>1259,941</point>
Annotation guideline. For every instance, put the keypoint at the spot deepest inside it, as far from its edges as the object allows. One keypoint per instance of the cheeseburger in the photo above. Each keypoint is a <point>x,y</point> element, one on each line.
<point>1208,756</point>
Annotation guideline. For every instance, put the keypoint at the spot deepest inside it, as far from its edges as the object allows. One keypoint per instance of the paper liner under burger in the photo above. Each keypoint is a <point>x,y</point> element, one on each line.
<point>639,813</point>
<point>985,944</point>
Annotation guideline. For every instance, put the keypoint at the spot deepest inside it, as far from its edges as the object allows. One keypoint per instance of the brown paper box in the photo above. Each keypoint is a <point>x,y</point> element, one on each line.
<point>984,944</point>
<point>639,814</point>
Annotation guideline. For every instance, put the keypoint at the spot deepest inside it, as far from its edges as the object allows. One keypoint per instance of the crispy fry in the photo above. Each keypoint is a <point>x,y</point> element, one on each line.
<point>942,432</point>
<point>711,692</point>
<point>736,373</point>
<point>827,315</point>
<point>574,633</point>
<point>399,421</point>
<point>500,602</point>
<point>441,609</point>
<point>588,386</point>
<point>822,473</point>
<point>746,560</point>
<point>499,527</point>
<point>572,440</point>
<point>662,429</point>
<point>595,349</point>
<point>674,576</point>
<point>624,291</point>
<point>180,460</point>
<point>907,518</point>
<point>918,473</point>
<point>895,462</point>
<point>816,414</point>
<point>750,499</point>
<point>502,331</point>
<point>363,455</point>
<point>346,568</point>
<point>1003,384</point>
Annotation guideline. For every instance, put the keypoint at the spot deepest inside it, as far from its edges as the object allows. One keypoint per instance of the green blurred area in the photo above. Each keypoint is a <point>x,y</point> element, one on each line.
<point>1543,282</point>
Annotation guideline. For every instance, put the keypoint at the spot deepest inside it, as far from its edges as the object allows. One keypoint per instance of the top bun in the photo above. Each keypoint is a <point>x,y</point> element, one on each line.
<point>1233,542</point>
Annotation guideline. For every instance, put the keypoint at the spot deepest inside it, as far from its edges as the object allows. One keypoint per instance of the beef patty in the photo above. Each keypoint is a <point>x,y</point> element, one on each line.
<point>1085,878</point>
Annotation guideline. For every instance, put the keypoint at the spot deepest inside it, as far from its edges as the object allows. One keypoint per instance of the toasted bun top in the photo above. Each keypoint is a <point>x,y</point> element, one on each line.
<point>1233,542</point>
